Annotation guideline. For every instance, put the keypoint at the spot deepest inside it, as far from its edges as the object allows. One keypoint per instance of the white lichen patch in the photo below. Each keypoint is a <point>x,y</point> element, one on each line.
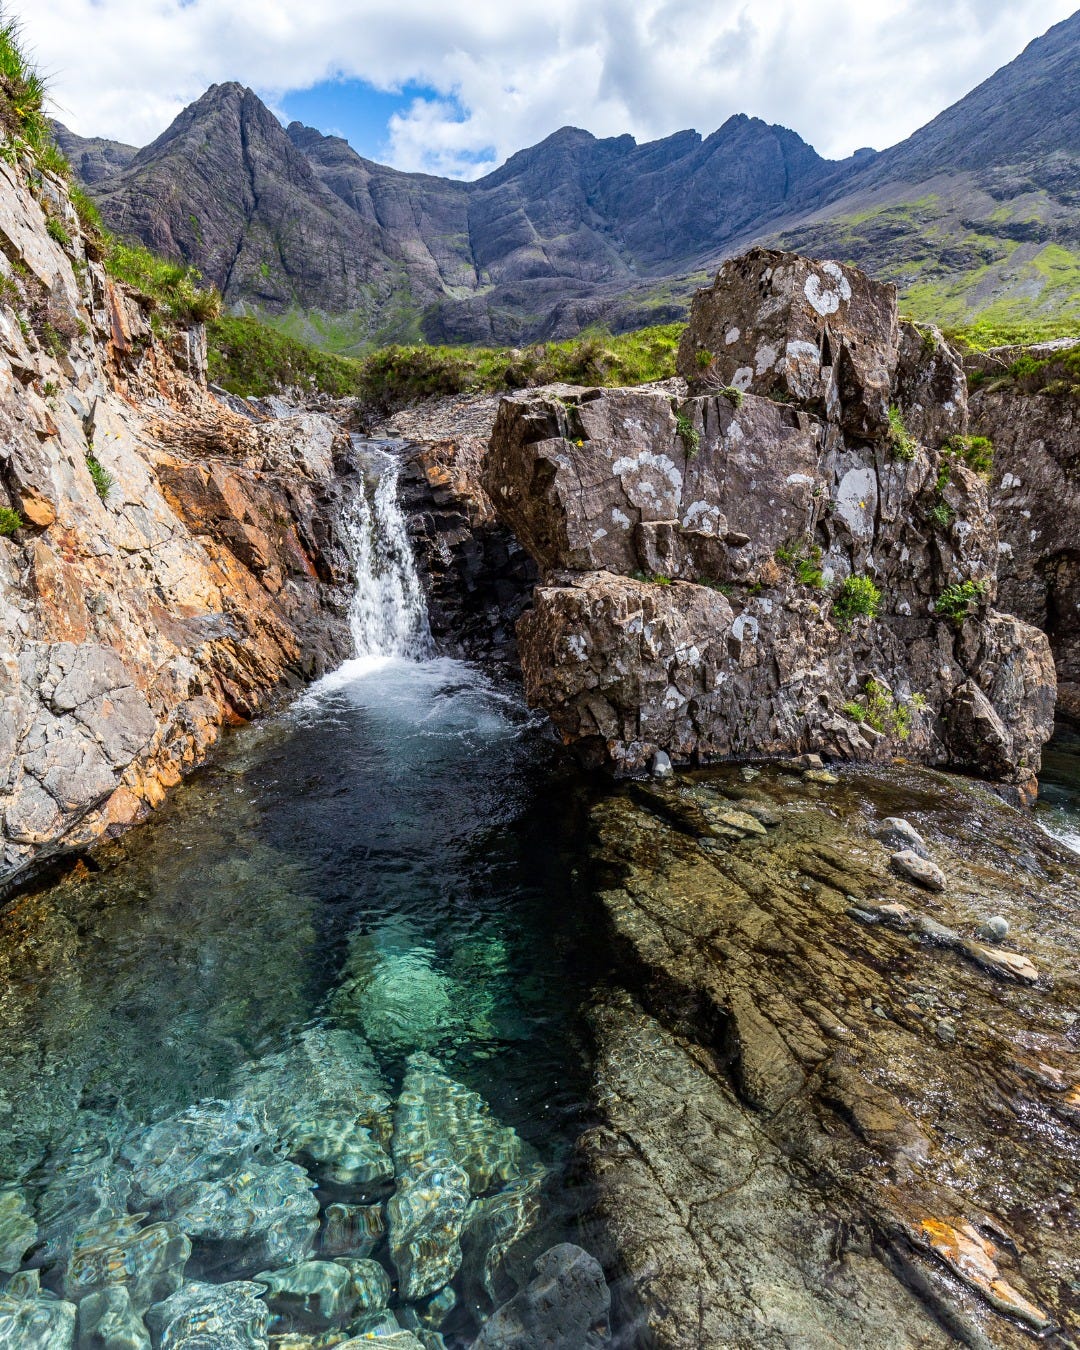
<point>856,502</point>
<point>745,628</point>
<point>731,337</point>
<point>619,518</point>
<point>598,534</point>
<point>743,378</point>
<point>704,517</point>
<point>765,358</point>
<point>827,294</point>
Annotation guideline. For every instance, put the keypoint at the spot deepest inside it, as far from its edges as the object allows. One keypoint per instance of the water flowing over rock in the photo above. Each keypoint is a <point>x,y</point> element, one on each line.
<point>324,1100</point>
<point>733,575</point>
<point>828,1116</point>
<point>211,1317</point>
<point>32,1318</point>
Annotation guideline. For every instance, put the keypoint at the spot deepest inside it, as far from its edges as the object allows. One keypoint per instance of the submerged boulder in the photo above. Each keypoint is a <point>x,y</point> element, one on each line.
<point>32,1318</point>
<point>564,1307</point>
<point>804,567</point>
<point>211,1317</point>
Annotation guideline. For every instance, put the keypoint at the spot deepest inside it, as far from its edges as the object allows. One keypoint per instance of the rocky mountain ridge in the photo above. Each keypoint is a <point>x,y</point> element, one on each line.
<point>297,227</point>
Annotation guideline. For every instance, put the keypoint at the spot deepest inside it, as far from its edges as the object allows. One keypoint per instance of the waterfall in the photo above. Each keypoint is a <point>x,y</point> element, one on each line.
<point>388,615</point>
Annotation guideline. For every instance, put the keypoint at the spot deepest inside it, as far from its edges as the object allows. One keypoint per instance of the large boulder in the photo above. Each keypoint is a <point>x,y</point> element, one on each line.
<point>702,566</point>
<point>818,333</point>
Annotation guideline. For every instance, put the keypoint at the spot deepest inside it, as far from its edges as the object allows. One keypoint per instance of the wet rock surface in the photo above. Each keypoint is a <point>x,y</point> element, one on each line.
<point>733,574</point>
<point>828,1116</point>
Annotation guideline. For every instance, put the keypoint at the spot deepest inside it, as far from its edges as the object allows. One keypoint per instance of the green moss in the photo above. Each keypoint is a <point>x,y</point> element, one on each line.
<point>688,434</point>
<point>10,521</point>
<point>803,558</point>
<point>977,452</point>
<point>878,708</point>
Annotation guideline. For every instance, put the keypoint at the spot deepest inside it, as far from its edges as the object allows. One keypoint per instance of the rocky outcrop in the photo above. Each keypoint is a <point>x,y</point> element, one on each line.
<point>1034,424</point>
<point>790,562</point>
<point>836,1109</point>
<point>165,564</point>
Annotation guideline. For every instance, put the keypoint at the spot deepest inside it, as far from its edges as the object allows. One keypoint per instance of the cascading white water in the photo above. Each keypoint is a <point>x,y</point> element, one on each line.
<point>389,613</point>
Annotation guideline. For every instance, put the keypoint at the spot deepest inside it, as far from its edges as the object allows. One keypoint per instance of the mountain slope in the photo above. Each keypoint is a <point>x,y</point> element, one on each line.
<point>974,213</point>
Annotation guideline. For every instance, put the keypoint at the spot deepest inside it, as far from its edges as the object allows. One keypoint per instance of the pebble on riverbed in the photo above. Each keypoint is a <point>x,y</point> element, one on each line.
<point>911,867</point>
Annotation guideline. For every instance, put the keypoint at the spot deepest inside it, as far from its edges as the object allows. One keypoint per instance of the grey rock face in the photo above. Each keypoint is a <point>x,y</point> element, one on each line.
<point>564,1307</point>
<point>697,556</point>
<point>1034,495</point>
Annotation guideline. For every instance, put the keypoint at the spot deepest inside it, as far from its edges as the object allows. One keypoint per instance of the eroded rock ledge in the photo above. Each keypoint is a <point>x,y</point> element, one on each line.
<point>141,615</point>
<point>694,554</point>
<point>836,1110</point>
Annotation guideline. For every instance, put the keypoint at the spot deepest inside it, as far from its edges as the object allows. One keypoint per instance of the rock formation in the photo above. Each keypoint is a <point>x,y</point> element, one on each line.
<point>793,559</point>
<point>832,1113</point>
<point>1033,422</point>
<point>165,565</point>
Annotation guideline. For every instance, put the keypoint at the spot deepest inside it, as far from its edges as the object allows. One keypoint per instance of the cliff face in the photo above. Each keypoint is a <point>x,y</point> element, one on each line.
<point>165,564</point>
<point>795,559</point>
<point>1034,424</point>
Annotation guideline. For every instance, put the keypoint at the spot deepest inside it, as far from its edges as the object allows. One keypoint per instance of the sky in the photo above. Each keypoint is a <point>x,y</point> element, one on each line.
<point>454,88</point>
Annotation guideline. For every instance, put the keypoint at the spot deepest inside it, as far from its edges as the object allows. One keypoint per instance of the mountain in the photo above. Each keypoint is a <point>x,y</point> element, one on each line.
<point>974,213</point>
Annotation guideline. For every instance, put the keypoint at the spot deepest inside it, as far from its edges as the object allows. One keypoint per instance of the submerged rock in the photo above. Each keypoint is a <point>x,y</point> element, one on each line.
<point>426,1215</point>
<point>352,1230</point>
<point>494,1227</point>
<point>147,1261</point>
<point>212,1169</point>
<point>317,1292</point>
<point>437,1115</point>
<point>898,834</point>
<point>18,1231</point>
<point>108,1321</point>
<point>211,1317</point>
<point>324,1099</point>
<point>32,1318</point>
<point>565,1306</point>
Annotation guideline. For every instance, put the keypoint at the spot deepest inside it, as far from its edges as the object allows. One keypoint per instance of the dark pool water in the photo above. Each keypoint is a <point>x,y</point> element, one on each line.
<point>1058,809</point>
<point>396,855</point>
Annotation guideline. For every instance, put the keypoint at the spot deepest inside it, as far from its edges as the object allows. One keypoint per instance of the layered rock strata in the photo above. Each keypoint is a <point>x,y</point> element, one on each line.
<point>838,1108</point>
<point>165,565</point>
<point>790,560</point>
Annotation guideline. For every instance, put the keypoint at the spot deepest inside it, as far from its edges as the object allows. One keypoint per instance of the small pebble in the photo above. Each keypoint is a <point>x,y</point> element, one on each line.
<point>993,930</point>
<point>945,1030</point>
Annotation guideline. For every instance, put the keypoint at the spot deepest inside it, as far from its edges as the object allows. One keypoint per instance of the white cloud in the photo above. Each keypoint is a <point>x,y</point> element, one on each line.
<point>842,73</point>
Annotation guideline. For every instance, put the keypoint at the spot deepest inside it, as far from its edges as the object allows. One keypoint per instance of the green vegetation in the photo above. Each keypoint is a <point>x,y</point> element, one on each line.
<point>10,521</point>
<point>942,514</point>
<point>103,479</point>
<point>858,598</point>
<point>22,91</point>
<point>960,600</point>
<point>1057,373</point>
<point>977,452</point>
<point>172,287</point>
<point>877,708</point>
<point>688,434</point>
<point>653,578</point>
<point>803,557</point>
<point>248,357</point>
<point>55,230</point>
<point>901,441</point>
